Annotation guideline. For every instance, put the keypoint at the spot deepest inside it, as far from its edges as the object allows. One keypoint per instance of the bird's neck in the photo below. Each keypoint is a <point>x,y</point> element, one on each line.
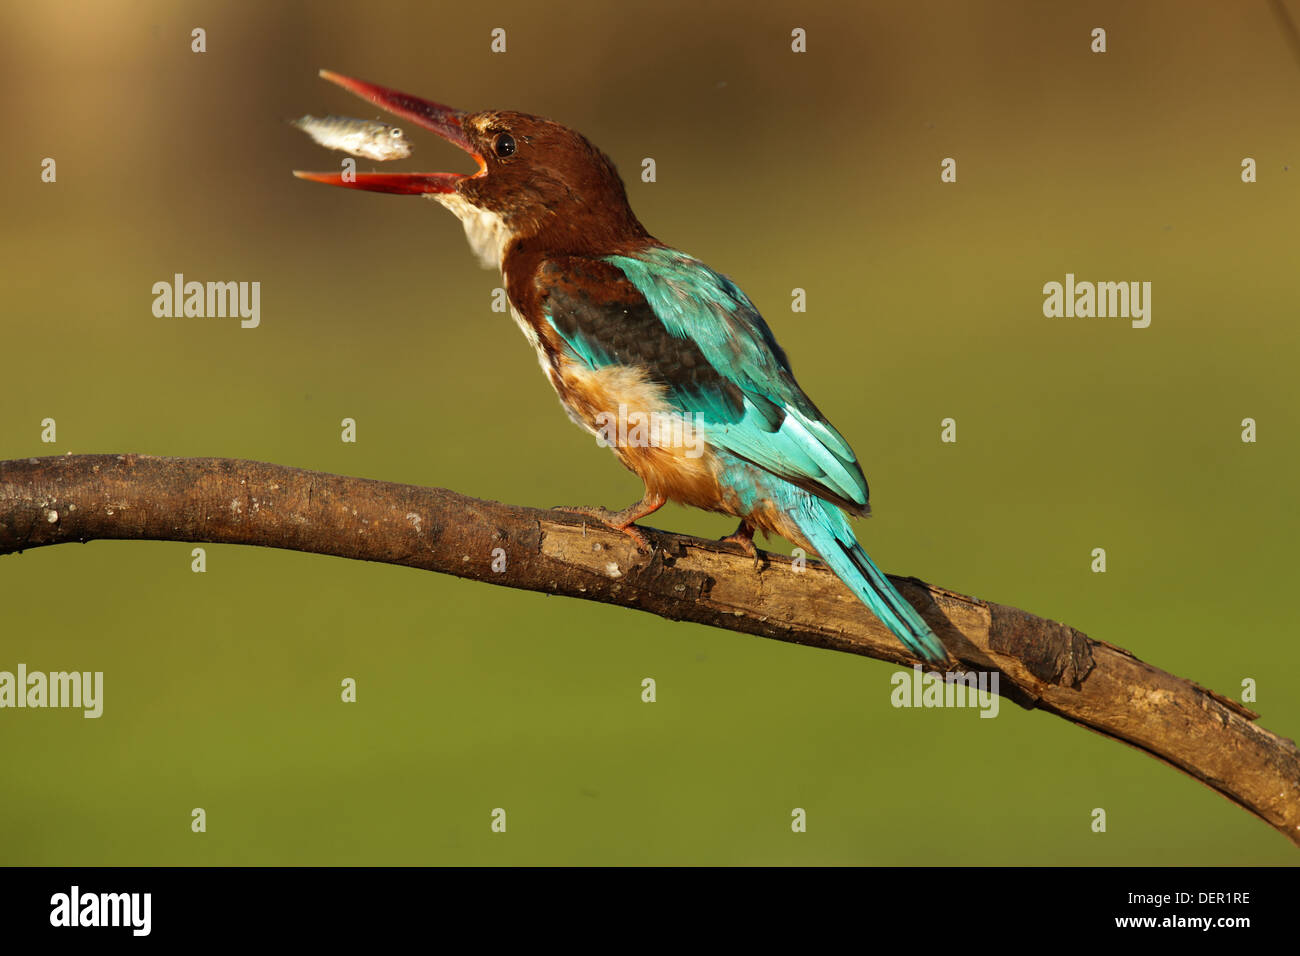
<point>585,237</point>
<point>486,231</point>
<point>496,239</point>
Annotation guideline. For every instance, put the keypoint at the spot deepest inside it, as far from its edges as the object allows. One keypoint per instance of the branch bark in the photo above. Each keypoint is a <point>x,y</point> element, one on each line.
<point>1042,664</point>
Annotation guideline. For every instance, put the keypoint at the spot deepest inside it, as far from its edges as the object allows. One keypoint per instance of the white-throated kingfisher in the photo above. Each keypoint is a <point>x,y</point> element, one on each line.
<point>627,329</point>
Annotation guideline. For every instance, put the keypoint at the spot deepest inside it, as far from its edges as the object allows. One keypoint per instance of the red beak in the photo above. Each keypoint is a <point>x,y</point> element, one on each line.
<point>443,120</point>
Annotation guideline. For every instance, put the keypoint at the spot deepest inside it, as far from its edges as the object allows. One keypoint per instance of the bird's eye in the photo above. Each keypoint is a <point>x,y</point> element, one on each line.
<point>395,133</point>
<point>504,145</point>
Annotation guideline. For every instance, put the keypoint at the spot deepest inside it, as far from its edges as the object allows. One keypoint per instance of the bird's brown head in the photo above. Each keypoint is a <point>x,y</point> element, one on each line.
<point>537,181</point>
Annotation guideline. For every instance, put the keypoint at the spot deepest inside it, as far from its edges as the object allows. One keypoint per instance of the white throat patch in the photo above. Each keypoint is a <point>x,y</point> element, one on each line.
<point>486,232</point>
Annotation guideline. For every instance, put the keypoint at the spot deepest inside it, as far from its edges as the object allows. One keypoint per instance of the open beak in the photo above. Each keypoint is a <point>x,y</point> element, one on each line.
<point>443,120</point>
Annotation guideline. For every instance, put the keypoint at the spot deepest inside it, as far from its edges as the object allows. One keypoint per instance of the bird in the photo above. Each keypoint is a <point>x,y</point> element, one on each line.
<point>661,357</point>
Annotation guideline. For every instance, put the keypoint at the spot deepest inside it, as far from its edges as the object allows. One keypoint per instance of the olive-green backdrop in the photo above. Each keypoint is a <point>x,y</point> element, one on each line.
<point>816,170</point>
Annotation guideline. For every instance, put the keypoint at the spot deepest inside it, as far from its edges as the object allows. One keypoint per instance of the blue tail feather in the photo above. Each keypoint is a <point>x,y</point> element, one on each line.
<point>828,531</point>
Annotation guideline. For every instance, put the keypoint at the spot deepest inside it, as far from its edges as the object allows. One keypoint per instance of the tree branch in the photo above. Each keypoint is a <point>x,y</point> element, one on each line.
<point>1042,664</point>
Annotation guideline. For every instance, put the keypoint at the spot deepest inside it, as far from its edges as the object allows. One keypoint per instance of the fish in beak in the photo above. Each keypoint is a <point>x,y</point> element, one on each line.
<point>442,120</point>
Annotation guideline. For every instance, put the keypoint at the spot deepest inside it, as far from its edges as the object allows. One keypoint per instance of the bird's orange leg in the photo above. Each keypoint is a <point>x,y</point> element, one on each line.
<point>623,520</point>
<point>744,537</point>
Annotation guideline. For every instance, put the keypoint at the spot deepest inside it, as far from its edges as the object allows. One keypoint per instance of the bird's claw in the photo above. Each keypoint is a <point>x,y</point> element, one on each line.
<point>614,520</point>
<point>743,538</point>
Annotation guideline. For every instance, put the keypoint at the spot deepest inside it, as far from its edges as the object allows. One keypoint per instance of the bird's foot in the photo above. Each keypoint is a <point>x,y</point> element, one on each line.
<point>743,537</point>
<point>621,520</point>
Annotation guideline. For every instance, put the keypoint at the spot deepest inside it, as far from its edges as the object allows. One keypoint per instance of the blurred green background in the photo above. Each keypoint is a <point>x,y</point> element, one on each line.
<point>818,171</point>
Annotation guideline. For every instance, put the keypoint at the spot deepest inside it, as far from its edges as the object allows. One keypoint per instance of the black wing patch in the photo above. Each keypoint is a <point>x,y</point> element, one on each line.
<point>606,321</point>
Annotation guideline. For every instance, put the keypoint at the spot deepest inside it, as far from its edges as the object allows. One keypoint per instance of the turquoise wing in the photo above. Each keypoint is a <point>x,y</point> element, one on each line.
<point>693,330</point>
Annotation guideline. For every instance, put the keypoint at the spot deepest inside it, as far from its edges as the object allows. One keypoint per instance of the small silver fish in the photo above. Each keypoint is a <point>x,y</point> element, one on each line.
<point>366,138</point>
